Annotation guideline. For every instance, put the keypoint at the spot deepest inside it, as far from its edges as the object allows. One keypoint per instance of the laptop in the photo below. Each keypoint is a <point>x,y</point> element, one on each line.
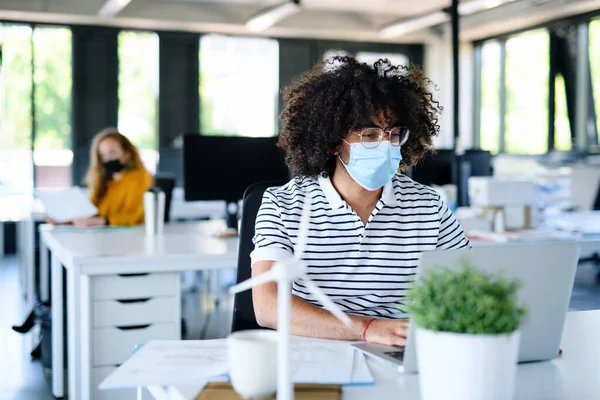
<point>547,273</point>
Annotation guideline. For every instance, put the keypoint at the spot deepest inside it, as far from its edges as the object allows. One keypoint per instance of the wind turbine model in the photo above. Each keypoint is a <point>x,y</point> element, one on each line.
<point>284,273</point>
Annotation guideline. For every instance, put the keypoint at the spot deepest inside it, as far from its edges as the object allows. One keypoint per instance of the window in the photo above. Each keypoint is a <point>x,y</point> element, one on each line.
<point>52,106</point>
<point>594,49</point>
<point>490,96</point>
<point>367,57</point>
<point>138,93</point>
<point>239,86</point>
<point>562,128</point>
<point>370,58</point>
<point>527,66</point>
<point>16,173</point>
<point>35,108</point>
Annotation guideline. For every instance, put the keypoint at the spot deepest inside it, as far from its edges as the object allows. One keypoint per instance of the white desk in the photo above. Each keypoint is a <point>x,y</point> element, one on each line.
<point>573,376</point>
<point>95,259</point>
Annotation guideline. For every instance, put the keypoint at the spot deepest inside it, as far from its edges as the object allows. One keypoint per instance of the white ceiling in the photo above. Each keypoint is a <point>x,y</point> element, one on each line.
<point>357,20</point>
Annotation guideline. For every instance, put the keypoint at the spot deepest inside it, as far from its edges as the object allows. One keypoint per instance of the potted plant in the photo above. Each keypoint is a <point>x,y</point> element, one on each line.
<point>467,334</point>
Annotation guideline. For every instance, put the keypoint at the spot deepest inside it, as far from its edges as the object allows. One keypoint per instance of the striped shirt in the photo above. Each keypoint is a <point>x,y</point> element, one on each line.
<point>365,269</point>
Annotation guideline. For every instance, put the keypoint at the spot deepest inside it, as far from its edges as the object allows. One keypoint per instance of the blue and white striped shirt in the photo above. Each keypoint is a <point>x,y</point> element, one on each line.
<point>364,269</point>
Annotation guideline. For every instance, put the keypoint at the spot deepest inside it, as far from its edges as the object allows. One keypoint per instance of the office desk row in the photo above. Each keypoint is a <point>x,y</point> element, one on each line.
<point>123,288</point>
<point>572,376</point>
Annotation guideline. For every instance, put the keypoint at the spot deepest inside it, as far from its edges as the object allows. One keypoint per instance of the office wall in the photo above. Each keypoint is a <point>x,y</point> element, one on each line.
<point>95,89</point>
<point>178,109</point>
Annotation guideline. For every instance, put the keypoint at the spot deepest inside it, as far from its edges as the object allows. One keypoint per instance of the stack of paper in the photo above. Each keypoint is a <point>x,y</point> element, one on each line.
<point>66,205</point>
<point>194,363</point>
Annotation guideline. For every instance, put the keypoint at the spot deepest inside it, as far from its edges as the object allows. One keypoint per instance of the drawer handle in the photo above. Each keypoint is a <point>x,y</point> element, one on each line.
<point>129,301</point>
<point>133,275</point>
<point>132,327</point>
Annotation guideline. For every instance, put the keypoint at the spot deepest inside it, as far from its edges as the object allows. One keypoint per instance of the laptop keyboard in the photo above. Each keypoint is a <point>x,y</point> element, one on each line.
<point>398,355</point>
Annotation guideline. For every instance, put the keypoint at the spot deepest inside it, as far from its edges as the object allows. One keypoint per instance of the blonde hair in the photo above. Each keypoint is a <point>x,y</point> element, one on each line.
<point>96,178</point>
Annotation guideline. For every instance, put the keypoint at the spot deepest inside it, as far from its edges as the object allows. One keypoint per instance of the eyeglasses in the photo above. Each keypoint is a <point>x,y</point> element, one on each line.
<point>371,137</point>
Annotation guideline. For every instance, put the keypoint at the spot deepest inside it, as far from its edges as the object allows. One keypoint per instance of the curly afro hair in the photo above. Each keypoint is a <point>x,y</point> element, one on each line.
<point>326,103</point>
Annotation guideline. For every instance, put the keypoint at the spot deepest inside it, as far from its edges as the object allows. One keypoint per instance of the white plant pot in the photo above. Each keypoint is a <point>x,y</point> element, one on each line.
<point>457,366</point>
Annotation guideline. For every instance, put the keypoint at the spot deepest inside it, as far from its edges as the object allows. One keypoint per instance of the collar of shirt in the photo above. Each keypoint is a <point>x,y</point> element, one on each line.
<point>388,197</point>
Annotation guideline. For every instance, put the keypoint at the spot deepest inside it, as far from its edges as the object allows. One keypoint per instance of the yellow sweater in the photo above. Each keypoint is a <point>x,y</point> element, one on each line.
<point>123,203</point>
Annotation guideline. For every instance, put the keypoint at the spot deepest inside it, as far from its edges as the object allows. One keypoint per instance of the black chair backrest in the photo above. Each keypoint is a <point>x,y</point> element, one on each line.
<point>596,206</point>
<point>243,310</point>
<point>166,183</point>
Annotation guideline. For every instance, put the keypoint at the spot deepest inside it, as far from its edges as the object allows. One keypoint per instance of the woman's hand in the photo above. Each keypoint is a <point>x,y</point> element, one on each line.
<point>89,222</point>
<point>52,221</point>
<point>392,332</point>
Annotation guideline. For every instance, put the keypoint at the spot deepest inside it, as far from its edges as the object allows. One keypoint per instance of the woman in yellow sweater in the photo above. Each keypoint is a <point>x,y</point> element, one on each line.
<point>117,181</point>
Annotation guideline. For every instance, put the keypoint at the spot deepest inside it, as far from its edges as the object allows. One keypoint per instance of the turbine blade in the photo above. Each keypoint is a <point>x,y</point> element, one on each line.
<point>250,283</point>
<point>303,228</point>
<point>326,302</point>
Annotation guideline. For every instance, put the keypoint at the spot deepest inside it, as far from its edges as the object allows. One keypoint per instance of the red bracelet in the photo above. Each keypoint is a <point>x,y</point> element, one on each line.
<point>367,327</point>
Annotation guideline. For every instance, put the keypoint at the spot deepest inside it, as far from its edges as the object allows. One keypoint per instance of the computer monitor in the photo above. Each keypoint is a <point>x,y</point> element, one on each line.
<point>435,168</point>
<point>480,160</point>
<point>222,167</point>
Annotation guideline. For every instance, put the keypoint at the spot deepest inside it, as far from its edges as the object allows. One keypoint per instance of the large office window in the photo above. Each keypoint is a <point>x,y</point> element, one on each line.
<point>239,86</point>
<point>138,92</point>
<point>35,108</point>
<point>594,50</point>
<point>52,106</point>
<point>562,128</point>
<point>490,96</point>
<point>16,174</point>
<point>527,68</point>
<point>371,57</point>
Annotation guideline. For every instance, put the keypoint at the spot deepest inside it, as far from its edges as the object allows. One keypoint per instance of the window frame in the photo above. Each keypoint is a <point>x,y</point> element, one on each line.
<point>578,141</point>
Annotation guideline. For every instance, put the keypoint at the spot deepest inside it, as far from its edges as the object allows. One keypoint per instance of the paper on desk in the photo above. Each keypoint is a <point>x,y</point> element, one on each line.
<point>171,362</point>
<point>194,362</point>
<point>320,361</point>
<point>65,205</point>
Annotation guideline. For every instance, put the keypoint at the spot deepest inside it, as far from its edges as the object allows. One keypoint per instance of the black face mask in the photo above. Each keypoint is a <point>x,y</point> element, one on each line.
<point>112,167</point>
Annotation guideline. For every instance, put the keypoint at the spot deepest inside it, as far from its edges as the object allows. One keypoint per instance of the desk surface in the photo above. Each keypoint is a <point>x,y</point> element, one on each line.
<point>573,376</point>
<point>180,242</point>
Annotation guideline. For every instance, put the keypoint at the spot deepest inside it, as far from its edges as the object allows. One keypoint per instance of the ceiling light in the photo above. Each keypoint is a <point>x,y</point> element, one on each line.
<point>414,24</point>
<point>113,7</point>
<point>475,6</point>
<point>270,16</point>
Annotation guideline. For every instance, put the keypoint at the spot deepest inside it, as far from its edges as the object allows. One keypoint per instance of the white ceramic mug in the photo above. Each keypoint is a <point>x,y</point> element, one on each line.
<point>252,358</point>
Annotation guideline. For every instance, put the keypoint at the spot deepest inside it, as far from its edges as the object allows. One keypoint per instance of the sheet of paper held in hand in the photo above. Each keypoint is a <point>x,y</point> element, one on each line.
<point>195,362</point>
<point>65,205</point>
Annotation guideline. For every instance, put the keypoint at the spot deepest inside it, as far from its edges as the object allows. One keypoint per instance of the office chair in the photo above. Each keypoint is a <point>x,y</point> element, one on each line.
<point>166,183</point>
<point>243,310</point>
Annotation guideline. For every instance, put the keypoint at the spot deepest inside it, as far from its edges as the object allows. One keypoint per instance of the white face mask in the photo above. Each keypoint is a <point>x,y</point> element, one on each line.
<point>373,168</point>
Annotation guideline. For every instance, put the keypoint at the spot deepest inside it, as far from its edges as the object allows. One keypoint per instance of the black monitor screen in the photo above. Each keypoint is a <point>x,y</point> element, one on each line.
<point>434,168</point>
<point>222,167</point>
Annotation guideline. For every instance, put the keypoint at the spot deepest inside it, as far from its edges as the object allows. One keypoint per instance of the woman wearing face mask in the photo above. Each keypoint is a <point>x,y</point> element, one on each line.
<point>349,131</point>
<point>117,181</point>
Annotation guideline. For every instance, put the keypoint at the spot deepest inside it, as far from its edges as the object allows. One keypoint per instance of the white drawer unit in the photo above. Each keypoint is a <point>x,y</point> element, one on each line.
<point>101,373</point>
<point>135,286</point>
<point>112,346</point>
<point>124,312</point>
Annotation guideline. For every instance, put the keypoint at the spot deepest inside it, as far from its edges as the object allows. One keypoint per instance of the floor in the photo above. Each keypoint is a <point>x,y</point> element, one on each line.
<point>23,379</point>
